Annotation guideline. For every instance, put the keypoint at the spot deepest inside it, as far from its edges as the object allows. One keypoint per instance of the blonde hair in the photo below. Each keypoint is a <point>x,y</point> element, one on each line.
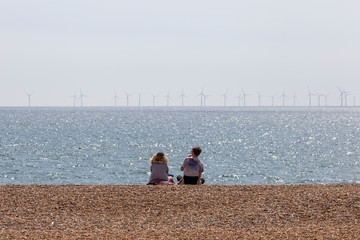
<point>159,158</point>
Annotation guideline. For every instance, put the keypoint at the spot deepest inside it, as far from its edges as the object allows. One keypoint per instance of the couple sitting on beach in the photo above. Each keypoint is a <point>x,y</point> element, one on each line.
<point>192,168</point>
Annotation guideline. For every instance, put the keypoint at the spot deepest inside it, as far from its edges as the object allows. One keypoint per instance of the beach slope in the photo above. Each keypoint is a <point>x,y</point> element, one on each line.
<point>179,212</point>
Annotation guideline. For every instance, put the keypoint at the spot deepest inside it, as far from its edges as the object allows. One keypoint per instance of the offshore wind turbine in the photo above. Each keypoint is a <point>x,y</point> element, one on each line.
<point>154,98</point>
<point>294,99</point>
<point>239,97</point>
<point>139,99</point>
<point>326,97</point>
<point>244,97</point>
<point>309,96</point>
<point>74,99</point>
<point>225,98</point>
<point>319,98</point>
<point>182,97</point>
<point>201,97</point>
<point>168,99</point>
<point>127,98</point>
<point>283,96</point>
<point>259,99</point>
<point>346,95</point>
<point>205,97</point>
<point>29,98</point>
<point>115,98</point>
<point>343,97</point>
<point>81,98</point>
<point>272,100</point>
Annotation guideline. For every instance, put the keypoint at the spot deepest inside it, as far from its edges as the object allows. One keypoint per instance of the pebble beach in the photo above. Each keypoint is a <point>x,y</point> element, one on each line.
<point>180,212</point>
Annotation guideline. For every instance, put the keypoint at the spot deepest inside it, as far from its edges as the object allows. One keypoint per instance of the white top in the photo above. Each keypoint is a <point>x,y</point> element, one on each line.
<point>192,167</point>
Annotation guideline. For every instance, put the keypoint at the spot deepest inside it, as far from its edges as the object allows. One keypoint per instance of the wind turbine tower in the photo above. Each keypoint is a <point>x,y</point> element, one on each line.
<point>74,99</point>
<point>127,98</point>
<point>154,98</point>
<point>201,97</point>
<point>259,99</point>
<point>341,97</point>
<point>239,97</point>
<point>272,100</point>
<point>182,97</point>
<point>283,96</point>
<point>29,98</point>
<point>225,98</point>
<point>294,99</point>
<point>326,97</point>
<point>309,96</point>
<point>354,101</point>
<point>115,98</point>
<point>346,94</point>
<point>81,98</point>
<point>205,97</point>
<point>244,97</point>
<point>139,99</point>
<point>168,99</point>
<point>319,98</point>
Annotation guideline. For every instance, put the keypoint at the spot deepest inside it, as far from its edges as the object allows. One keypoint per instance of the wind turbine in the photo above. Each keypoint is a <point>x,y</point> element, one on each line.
<point>309,96</point>
<point>205,96</point>
<point>326,97</point>
<point>127,98</point>
<point>294,99</point>
<point>201,97</point>
<point>283,96</point>
<point>154,98</point>
<point>259,99</point>
<point>239,97</point>
<point>182,97</point>
<point>139,99</point>
<point>354,101</point>
<point>81,98</point>
<point>116,97</point>
<point>244,97</point>
<point>319,98</point>
<point>74,99</point>
<point>272,100</point>
<point>29,98</point>
<point>167,99</point>
<point>342,93</point>
<point>346,95</point>
<point>225,98</point>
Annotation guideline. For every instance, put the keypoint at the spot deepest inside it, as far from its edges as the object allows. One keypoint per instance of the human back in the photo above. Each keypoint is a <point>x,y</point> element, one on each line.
<point>159,170</point>
<point>193,167</point>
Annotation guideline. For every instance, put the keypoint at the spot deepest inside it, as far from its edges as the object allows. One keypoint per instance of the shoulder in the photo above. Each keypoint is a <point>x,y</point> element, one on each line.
<point>158,165</point>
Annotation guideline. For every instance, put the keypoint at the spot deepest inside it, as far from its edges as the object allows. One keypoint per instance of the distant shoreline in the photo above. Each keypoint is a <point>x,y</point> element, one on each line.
<point>162,212</point>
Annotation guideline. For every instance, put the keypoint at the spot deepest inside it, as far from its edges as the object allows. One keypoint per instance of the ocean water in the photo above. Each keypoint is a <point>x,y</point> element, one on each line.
<point>240,145</point>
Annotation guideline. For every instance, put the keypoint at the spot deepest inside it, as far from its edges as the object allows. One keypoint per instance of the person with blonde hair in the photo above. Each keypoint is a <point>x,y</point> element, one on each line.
<point>159,170</point>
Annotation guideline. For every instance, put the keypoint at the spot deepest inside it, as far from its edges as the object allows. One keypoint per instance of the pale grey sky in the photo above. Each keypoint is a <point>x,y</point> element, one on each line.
<point>55,48</point>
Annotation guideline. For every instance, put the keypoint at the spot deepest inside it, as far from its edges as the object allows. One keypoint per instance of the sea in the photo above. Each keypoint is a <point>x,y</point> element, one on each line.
<point>240,145</point>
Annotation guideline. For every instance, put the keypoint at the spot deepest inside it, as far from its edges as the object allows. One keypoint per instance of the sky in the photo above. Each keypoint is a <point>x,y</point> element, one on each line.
<point>58,49</point>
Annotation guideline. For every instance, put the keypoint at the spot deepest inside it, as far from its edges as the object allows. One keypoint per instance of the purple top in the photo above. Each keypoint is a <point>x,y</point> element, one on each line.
<point>159,171</point>
<point>192,167</point>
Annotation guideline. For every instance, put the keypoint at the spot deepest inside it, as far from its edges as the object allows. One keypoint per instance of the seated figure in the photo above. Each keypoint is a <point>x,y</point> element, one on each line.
<point>159,170</point>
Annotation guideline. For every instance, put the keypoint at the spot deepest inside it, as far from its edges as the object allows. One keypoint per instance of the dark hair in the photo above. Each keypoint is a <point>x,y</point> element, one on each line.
<point>196,151</point>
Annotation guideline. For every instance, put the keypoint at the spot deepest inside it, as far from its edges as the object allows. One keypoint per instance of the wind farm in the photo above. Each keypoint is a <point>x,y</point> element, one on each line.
<point>309,97</point>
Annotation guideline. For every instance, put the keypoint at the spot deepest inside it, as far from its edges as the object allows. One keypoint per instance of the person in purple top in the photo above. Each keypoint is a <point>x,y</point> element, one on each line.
<point>192,168</point>
<point>159,170</point>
